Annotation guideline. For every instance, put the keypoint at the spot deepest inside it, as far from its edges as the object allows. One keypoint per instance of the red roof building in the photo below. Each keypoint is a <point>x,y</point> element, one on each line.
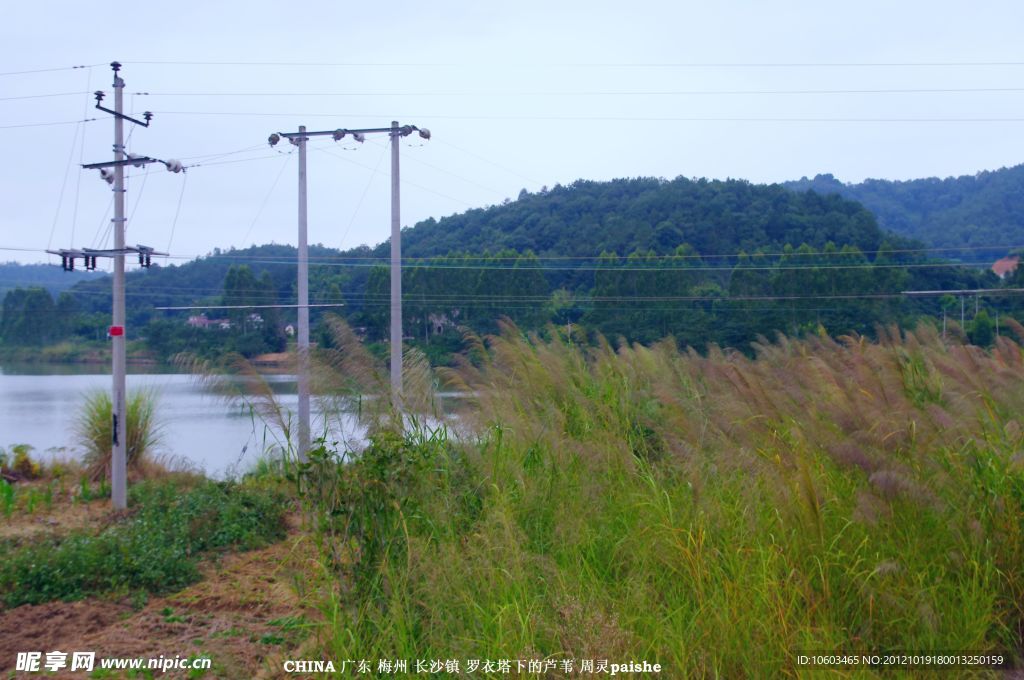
<point>1005,266</point>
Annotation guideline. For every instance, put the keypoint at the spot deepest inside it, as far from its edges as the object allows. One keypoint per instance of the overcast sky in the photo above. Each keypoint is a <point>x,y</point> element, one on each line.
<point>517,95</point>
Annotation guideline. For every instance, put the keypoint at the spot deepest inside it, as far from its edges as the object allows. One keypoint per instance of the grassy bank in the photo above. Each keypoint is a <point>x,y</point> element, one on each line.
<point>716,514</point>
<point>68,352</point>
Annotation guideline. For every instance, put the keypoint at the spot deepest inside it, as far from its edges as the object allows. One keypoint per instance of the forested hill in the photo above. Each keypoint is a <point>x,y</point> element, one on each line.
<point>52,278</point>
<point>702,260</point>
<point>716,219</point>
<point>968,212</point>
<point>587,218</point>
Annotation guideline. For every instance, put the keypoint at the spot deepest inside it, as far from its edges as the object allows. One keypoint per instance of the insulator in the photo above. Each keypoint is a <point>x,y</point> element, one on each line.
<point>142,260</point>
<point>149,261</point>
<point>71,263</point>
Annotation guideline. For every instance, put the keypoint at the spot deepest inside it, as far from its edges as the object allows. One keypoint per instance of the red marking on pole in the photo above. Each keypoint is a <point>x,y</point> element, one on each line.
<point>116,331</point>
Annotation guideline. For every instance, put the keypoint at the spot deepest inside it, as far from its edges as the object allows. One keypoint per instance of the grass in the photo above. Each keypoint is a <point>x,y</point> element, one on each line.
<point>716,514</point>
<point>155,549</point>
<point>94,430</point>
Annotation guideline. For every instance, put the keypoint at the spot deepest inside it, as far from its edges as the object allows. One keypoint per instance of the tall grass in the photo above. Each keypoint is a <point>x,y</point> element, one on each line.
<point>94,429</point>
<point>347,383</point>
<point>714,513</point>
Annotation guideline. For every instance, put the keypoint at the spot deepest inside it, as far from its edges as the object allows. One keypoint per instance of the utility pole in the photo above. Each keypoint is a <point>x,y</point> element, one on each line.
<point>119,462</point>
<point>113,173</point>
<point>396,274</point>
<point>303,290</point>
<point>395,132</point>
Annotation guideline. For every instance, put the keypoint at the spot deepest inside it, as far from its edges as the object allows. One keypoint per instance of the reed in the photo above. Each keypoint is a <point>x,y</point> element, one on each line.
<point>715,513</point>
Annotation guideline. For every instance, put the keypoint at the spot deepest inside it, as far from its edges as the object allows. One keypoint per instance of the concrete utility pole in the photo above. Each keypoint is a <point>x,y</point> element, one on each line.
<point>119,462</point>
<point>303,290</point>
<point>396,273</point>
<point>113,173</point>
<point>395,132</point>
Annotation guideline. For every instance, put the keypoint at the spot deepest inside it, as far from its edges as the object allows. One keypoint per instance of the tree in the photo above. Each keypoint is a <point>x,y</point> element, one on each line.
<point>982,330</point>
<point>29,317</point>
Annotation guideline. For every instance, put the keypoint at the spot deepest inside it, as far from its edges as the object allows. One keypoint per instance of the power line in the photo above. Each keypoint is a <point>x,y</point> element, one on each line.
<point>413,184</point>
<point>64,184</point>
<point>589,93</point>
<point>266,198</point>
<point>48,70</point>
<point>649,119</point>
<point>617,268</point>
<point>431,261</point>
<point>177,212</point>
<point>362,197</point>
<point>81,155</point>
<point>223,154</point>
<point>41,96</point>
<point>492,299</point>
<point>189,307</point>
<point>610,268</point>
<point>545,65</point>
<point>455,175</point>
<point>491,162</point>
<point>51,124</point>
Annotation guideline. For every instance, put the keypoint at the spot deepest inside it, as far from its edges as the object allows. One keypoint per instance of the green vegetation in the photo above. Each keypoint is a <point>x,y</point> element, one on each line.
<point>155,549</point>
<point>95,427</point>
<point>962,214</point>
<point>52,278</point>
<point>707,262</point>
<point>716,514</point>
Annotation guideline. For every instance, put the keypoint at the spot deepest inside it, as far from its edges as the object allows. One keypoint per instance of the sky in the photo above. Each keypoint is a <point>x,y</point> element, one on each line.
<point>516,95</point>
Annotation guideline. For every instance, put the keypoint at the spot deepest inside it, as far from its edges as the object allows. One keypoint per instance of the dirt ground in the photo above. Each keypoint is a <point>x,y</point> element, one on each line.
<point>60,519</point>
<point>246,614</point>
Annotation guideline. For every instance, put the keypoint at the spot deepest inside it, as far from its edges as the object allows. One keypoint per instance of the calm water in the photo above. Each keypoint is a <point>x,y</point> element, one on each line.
<point>39,405</point>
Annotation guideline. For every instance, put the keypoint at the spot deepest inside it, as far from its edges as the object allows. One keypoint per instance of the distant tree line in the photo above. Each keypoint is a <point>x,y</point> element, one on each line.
<point>703,261</point>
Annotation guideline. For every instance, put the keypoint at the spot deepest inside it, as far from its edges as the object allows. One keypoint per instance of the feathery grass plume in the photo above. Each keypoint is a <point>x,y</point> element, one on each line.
<point>238,381</point>
<point>94,429</point>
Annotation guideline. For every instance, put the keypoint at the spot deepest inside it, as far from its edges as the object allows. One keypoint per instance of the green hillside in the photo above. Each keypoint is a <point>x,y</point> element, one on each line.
<point>704,261</point>
<point>51,277</point>
<point>978,217</point>
<point>587,218</point>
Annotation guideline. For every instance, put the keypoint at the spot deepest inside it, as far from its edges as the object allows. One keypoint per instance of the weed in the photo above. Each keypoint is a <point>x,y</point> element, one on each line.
<point>31,500</point>
<point>22,464</point>
<point>6,497</point>
<point>271,639</point>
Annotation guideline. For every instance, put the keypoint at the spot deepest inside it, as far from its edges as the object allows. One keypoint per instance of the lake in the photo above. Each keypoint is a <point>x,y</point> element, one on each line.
<point>40,403</point>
